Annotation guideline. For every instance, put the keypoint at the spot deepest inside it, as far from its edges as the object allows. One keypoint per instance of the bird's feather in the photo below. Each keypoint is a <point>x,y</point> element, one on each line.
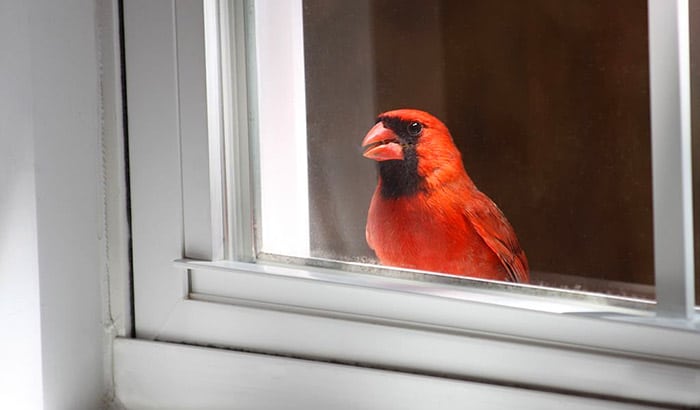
<point>495,230</point>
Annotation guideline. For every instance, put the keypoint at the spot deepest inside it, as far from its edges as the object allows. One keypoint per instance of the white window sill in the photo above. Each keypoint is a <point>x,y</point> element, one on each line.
<point>278,310</point>
<point>161,375</point>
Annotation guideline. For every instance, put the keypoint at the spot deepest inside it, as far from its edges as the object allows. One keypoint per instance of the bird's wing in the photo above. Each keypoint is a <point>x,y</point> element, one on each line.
<point>495,230</point>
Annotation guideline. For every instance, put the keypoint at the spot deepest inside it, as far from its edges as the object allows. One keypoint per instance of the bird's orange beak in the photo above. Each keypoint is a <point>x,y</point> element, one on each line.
<point>382,144</point>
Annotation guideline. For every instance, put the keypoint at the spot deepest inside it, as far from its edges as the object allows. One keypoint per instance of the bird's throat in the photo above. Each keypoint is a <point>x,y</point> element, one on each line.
<point>400,178</point>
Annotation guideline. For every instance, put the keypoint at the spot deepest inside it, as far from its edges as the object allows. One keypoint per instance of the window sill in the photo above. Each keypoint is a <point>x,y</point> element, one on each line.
<point>180,376</point>
<point>488,335</point>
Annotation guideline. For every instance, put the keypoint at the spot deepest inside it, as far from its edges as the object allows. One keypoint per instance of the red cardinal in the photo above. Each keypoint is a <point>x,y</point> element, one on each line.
<point>426,212</point>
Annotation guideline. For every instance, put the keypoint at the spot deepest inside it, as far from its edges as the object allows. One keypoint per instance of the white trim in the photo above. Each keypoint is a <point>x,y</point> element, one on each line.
<point>669,72</point>
<point>117,279</point>
<point>436,350</point>
<point>239,125</point>
<point>159,375</point>
<point>200,130</point>
<point>215,117</point>
<point>546,319</point>
<point>471,337</point>
<point>154,148</point>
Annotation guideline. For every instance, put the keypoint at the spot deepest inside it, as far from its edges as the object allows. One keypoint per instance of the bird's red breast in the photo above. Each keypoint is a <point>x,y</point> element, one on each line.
<point>426,213</point>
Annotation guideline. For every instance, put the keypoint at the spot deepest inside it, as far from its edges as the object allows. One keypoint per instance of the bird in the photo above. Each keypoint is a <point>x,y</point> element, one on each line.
<point>426,213</point>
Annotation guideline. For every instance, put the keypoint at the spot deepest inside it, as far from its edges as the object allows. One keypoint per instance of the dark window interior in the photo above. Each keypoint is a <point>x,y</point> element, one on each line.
<point>547,100</point>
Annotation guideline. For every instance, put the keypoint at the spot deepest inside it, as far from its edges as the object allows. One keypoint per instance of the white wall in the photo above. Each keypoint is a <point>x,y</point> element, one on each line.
<point>20,341</point>
<point>51,339</point>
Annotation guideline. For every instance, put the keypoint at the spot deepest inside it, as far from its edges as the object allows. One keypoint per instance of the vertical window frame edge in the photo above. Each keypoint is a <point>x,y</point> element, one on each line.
<point>669,72</point>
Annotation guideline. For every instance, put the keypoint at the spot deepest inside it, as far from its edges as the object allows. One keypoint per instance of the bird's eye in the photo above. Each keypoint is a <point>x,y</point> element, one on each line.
<point>414,128</point>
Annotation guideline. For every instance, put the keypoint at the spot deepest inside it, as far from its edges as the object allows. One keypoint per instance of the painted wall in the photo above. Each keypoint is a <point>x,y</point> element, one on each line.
<point>51,338</point>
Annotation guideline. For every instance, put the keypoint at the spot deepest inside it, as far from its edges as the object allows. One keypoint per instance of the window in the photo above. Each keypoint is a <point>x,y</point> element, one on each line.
<point>197,130</point>
<point>552,116</point>
<point>550,112</point>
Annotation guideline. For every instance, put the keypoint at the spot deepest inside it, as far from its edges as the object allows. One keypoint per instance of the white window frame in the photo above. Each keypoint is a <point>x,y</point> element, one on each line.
<point>180,112</point>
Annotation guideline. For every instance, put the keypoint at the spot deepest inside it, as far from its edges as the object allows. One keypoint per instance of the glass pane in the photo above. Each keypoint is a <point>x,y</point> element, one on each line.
<point>548,102</point>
